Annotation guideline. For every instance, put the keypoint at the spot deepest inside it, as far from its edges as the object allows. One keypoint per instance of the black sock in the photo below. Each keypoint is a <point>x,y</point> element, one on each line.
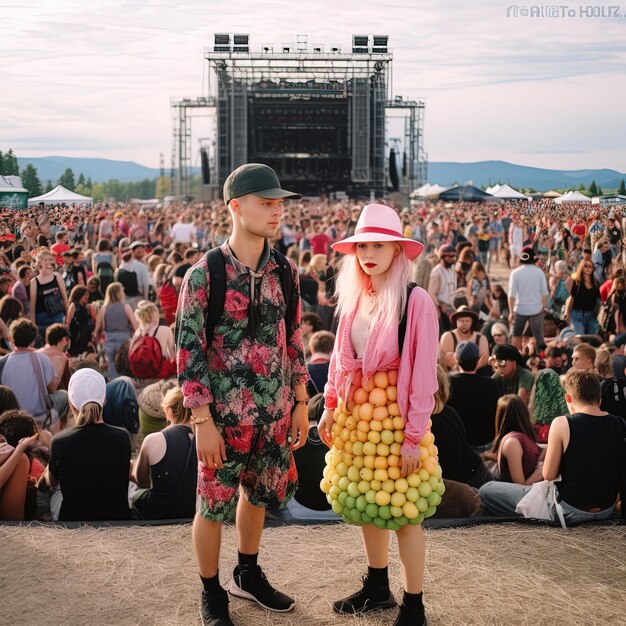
<point>212,585</point>
<point>378,575</point>
<point>247,561</point>
<point>413,600</point>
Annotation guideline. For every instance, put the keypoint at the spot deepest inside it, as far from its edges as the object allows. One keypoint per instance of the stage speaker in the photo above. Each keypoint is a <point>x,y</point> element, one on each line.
<point>393,171</point>
<point>206,172</point>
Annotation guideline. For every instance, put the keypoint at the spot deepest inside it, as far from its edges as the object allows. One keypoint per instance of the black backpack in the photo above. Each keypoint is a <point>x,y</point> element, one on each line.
<point>129,282</point>
<point>216,264</point>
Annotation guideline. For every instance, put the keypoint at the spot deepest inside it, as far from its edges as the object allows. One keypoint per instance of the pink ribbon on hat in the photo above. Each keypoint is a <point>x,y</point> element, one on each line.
<point>377,229</point>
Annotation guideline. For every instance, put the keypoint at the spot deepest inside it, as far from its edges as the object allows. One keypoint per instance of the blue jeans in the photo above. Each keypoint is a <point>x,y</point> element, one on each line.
<point>112,343</point>
<point>43,320</point>
<point>584,322</point>
<point>502,498</point>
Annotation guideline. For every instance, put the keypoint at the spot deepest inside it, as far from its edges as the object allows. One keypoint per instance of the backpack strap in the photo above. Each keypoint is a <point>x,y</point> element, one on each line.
<point>403,321</point>
<point>286,283</point>
<point>216,264</point>
<point>3,362</point>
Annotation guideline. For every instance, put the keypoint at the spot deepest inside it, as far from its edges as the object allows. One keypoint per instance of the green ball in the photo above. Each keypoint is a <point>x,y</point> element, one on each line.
<point>361,503</point>
<point>355,515</point>
<point>384,512</point>
<point>396,511</point>
<point>341,498</point>
<point>441,488</point>
<point>337,507</point>
<point>429,511</point>
<point>392,525</point>
<point>379,522</point>
<point>343,483</point>
<point>350,502</point>
<point>416,521</point>
<point>346,519</point>
<point>365,518</point>
<point>372,510</point>
<point>370,496</point>
<point>401,521</point>
<point>434,499</point>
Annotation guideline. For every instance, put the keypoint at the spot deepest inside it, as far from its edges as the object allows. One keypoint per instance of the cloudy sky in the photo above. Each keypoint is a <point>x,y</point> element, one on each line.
<point>94,79</point>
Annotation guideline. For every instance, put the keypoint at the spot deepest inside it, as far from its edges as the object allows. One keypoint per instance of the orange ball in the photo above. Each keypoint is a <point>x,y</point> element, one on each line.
<point>360,396</point>
<point>380,380</point>
<point>381,462</point>
<point>394,409</point>
<point>361,436</point>
<point>388,423</point>
<point>378,397</point>
<point>392,377</point>
<point>393,460</point>
<point>363,426</point>
<point>366,411</point>
<point>369,461</point>
<point>380,413</point>
<point>392,393</point>
<point>377,426</point>
<point>368,384</point>
<point>398,423</point>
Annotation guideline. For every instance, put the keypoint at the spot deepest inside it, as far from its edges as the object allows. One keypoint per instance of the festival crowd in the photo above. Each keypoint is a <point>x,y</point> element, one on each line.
<point>95,290</point>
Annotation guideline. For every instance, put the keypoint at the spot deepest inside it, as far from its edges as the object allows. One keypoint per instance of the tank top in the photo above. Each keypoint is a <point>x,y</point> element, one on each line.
<point>174,477</point>
<point>586,484</point>
<point>530,456</point>
<point>115,319</point>
<point>51,288</point>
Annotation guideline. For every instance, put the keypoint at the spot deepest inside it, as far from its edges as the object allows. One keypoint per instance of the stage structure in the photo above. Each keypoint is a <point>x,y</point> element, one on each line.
<point>318,117</point>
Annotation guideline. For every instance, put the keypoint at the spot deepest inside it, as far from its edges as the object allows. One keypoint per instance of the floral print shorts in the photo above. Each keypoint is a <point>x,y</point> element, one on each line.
<point>260,460</point>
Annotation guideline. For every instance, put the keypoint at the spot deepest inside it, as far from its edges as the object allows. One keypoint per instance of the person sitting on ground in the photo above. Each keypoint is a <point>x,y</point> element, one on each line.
<point>557,358</point>
<point>583,495</point>
<point>90,461</point>
<point>511,375</point>
<point>474,397</point>
<point>56,348</point>
<point>465,328</point>
<point>458,460</point>
<point>21,287</point>
<point>320,346</point>
<point>584,357</point>
<point>613,388</point>
<point>547,400</point>
<point>19,374</point>
<point>515,448</point>
<point>167,466</point>
<point>147,315</point>
<point>14,465</point>
<point>151,413</point>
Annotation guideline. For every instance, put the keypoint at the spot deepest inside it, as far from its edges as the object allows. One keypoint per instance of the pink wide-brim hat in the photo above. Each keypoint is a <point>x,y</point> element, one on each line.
<point>378,222</point>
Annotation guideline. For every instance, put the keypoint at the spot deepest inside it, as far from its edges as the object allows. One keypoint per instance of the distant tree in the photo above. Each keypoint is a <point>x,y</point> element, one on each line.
<point>49,186</point>
<point>622,188</point>
<point>97,192</point>
<point>593,188</point>
<point>9,165</point>
<point>582,188</point>
<point>1,163</point>
<point>81,180</point>
<point>89,184</point>
<point>67,179</point>
<point>82,189</point>
<point>600,192</point>
<point>30,181</point>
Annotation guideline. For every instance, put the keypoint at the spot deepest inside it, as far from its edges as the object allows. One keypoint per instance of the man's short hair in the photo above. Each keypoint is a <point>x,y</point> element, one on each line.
<point>322,341</point>
<point>587,351</point>
<point>555,351</point>
<point>189,253</point>
<point>23,332</point>
<point>56,333</point>
<point>60,234</point>
<point>583,386</point>
<point>314,319</point>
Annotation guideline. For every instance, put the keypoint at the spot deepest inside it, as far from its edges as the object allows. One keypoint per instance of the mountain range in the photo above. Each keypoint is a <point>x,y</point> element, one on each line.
<point>482,173</point>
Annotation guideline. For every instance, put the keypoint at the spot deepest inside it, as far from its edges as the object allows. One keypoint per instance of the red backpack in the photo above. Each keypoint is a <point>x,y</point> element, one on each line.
<point>145,356</point>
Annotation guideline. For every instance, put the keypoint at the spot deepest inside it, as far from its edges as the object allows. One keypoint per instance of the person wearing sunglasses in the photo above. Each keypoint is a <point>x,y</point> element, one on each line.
<point>510,372</point>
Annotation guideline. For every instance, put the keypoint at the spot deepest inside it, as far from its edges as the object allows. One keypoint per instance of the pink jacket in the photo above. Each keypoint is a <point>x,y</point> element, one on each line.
<point>417,366</point>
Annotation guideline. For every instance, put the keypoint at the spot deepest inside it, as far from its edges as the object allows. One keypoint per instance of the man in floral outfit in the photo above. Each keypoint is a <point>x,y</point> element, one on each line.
<point>246,391</point>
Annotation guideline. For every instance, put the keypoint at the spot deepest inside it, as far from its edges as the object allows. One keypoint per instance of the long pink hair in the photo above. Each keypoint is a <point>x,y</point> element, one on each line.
<point>352,283</point>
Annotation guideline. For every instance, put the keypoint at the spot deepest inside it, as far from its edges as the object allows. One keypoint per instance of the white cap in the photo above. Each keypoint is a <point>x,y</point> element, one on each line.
<point>86,385</point>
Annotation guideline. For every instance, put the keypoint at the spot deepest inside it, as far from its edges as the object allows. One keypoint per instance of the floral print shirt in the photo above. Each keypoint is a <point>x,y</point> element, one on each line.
<point>244,381</point>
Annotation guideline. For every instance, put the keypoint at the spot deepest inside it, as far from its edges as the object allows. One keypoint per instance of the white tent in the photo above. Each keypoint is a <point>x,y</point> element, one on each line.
<point>61,195</point>
<point>492,190</point>
<point>507,193</point>
<point>573,196</point>
<point>428,191</point>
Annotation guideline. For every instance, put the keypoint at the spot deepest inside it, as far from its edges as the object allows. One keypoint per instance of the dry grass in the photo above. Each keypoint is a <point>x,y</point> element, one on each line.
<point>497,574</point>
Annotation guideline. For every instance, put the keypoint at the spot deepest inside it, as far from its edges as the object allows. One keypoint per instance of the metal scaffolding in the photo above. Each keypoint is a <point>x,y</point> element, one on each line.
<point>300,76</point>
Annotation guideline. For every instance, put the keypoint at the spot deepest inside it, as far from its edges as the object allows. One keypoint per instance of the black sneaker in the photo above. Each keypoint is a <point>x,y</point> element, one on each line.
<point>214,609</point>
<point>365,599</point>
<point>411,616</point>
<point>251,583</point>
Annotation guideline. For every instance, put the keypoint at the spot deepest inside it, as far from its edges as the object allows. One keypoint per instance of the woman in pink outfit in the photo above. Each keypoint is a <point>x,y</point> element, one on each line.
<point>372,296</point>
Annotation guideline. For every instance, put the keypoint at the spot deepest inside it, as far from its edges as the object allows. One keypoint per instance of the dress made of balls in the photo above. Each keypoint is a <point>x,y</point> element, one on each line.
<point>362,479</point>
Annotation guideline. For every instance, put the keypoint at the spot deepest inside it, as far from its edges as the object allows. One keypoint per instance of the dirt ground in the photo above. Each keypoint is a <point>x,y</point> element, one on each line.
<point>505,574</point>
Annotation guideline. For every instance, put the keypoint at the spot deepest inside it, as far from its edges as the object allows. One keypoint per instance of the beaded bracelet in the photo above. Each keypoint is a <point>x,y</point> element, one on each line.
<point>195,420</point>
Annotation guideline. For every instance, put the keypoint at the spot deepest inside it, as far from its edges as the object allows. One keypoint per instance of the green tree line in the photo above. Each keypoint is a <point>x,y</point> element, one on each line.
<point>108,190</point>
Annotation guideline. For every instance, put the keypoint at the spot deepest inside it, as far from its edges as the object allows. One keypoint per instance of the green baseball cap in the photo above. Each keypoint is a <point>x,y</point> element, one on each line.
<point>255,178</point>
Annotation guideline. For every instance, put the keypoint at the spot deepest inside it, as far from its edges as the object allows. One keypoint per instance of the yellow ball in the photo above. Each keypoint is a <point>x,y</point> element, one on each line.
<point>397,499</point>
<point>383,498</point>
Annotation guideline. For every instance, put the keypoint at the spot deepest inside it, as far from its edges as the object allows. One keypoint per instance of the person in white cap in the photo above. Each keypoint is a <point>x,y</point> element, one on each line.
<point>90,461</point>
